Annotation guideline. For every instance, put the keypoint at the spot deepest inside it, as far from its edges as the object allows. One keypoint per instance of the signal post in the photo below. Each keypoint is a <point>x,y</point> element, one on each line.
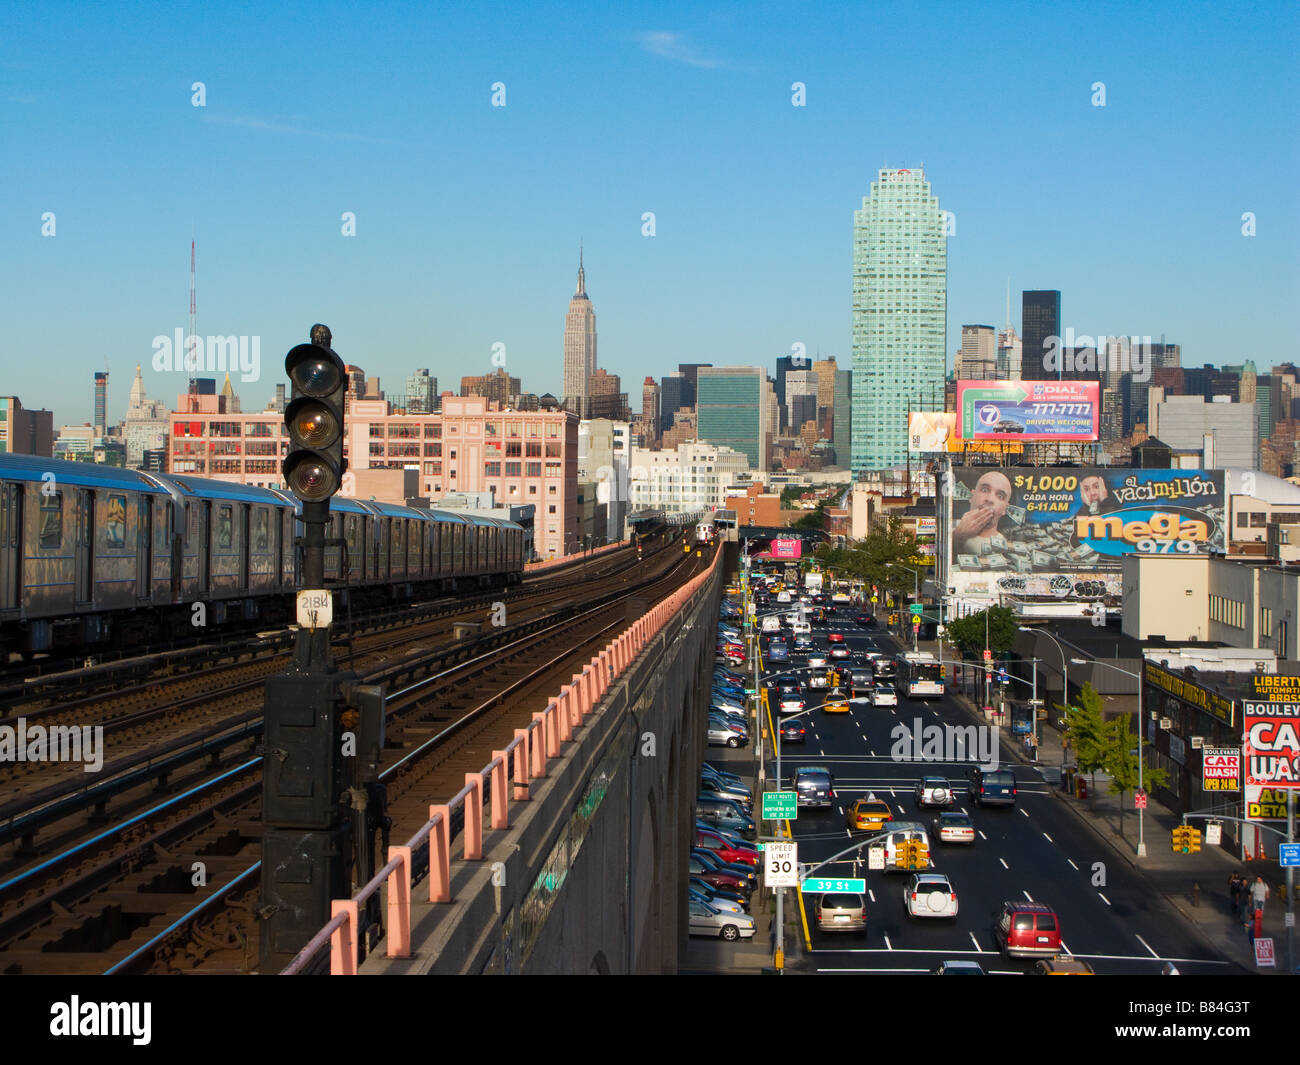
<point>321,801</point>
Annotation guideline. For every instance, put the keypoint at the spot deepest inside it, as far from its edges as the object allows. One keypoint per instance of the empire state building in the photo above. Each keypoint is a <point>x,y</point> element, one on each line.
<point>579,347</point>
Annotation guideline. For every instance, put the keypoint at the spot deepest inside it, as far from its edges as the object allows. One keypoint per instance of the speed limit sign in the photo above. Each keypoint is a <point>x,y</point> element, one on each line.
<point>781,864</point>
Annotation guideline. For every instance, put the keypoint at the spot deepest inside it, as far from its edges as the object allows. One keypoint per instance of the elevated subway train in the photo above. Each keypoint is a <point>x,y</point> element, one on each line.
<point>97,555</point>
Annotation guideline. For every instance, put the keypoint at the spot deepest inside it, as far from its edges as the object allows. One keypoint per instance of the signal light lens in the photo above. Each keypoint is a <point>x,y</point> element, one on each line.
<point>312,372</point>
<point>315,427</point>
<point>309,478</point>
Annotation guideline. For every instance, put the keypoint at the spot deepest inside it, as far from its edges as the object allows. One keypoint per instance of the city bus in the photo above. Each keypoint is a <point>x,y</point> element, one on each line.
<point>920,676</point>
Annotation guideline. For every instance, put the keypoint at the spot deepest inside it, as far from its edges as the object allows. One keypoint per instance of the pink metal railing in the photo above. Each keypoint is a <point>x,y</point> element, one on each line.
<point>530,750</point>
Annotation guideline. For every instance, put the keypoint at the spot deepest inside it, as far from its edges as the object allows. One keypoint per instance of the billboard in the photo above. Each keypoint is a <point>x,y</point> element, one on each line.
<point>929,430</point>
<point>1034,411</point>
<point>1272,744</point>
<point>1078,523</point>
<point>786,548</point>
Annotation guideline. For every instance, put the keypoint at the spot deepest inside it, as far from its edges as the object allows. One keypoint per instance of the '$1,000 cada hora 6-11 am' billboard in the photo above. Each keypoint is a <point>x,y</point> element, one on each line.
<point>1053,520</point>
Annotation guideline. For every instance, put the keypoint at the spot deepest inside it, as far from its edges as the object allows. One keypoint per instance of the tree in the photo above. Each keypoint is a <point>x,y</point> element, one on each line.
<point>1086,733</point>
<point>877,559</point>
<point>1122,762</point>
<point>968,633</point>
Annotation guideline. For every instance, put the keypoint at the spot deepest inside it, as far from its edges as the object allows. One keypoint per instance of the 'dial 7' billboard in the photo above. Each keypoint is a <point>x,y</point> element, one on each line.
<point>1028,411</point>
<point>1056,519</point>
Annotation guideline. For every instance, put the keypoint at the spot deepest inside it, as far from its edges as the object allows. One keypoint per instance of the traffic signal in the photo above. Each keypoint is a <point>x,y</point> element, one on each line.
<point>1186,839</point>
<point>314,467</point>
<point>911,855</point>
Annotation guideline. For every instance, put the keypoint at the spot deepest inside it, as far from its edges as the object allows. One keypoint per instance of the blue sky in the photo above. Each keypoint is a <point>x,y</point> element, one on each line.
<point>468,217</point>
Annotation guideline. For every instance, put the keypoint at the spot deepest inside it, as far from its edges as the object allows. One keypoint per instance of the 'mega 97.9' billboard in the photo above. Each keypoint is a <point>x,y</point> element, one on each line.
<point>1051,520</point>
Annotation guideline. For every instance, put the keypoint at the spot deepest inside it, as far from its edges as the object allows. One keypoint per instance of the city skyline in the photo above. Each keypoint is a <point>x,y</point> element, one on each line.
<point>465,218</point>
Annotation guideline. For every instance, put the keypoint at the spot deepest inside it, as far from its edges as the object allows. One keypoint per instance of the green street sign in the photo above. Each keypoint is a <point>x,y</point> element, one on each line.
<point>916,608</point>
<point>780,806</point>
<point>822,885</point>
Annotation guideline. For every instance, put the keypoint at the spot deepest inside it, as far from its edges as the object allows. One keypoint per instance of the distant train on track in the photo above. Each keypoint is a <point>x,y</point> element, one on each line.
<point>98,555</point>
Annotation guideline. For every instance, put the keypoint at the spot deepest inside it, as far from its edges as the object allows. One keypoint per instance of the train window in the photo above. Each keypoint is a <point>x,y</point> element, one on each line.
<point>225,526</point>
<point>350,536</point>
<point>115,522</point>
<point>52,521</point>
<point>261,529</point>
<point>189,525</point>
<point>162,526</point>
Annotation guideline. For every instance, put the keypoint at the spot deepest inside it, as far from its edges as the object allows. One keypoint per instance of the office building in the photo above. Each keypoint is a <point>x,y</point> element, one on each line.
<point>421,393</point>
<point>579,345</point>
<point>842,427</point>
<point>732,410</point>
<point>1040,322</point>
<point>25,432</point>
<point>900,269</point>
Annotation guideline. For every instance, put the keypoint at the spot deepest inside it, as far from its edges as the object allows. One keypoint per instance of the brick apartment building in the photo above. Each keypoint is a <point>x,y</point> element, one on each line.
<point>471,445</point>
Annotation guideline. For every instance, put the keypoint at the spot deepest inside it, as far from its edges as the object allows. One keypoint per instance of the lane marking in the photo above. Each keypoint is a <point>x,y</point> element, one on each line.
<point>1023,811</point>
<point>1144,943</point>
<point>872,895</point>
<point>1048,838</point>
<point>1004,864</point>
<point>1071,861</point>
<point>1103,898</point>
<point>1027,895</point>
<point>981,832</point>
<point>977,943</point>
<point>888,944</point>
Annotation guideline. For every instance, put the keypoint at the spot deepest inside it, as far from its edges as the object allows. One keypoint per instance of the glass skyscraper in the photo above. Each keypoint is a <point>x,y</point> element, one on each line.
<point>729,406</point>
<point>900,304</point>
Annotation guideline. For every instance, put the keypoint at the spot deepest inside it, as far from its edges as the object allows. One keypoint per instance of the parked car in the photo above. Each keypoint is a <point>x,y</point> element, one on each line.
<point>993,787</point>
<point>1026,929</point>
<point>746,872</point>
<point>717,878</point>
<point>953,828</point>
<point>731,820</point>
<point>723,733</point>
<point>930,895</point>
<point>706,920</point>
<point>726,849</point>
<point>716,901</point>
<point>841,912</point>
<point>712,891</point>
<point>933,791</point>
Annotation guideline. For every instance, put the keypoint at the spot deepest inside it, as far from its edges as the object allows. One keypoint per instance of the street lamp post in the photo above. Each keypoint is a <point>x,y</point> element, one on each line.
<point>1065,679</point>
<point>916,596</point>
<point>1142,842</point>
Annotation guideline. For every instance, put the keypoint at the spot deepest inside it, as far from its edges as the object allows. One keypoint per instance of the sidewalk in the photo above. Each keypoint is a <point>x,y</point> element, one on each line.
<point>1177,877</point>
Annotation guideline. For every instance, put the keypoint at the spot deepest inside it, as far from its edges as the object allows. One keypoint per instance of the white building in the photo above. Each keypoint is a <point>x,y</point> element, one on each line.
<point>604,459</point>
<point>692,477</point>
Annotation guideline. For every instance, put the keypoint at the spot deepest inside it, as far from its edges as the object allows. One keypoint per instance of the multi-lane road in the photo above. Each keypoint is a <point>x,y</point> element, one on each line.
<point>1035,851</point>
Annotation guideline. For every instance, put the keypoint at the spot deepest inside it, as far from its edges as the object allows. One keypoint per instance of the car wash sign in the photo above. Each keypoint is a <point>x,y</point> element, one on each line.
<point>1272,744</point>
<point>1220,769</point>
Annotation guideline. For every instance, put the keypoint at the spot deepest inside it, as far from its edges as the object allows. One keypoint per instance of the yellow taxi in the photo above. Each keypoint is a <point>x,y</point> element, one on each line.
<point>868,815</point>
<point>835,702</point>
<point>1062,965</point>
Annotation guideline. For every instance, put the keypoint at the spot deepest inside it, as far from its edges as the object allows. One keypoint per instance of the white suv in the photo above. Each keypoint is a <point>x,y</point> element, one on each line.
<point>929,895</point>
<point>933,791</point>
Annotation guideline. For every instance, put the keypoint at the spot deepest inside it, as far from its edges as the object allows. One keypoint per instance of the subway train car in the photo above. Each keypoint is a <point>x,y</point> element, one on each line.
<point>94,556</point>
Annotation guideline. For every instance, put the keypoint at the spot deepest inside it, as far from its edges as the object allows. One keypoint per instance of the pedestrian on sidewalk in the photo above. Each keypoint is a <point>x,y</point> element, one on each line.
<point>1236,888</point>
<point>1258,894</point>
<point>1248,923</point>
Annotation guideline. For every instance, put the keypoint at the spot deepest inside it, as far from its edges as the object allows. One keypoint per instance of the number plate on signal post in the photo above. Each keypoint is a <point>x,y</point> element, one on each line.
<point>781,864</point>
<point>315,609</point>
